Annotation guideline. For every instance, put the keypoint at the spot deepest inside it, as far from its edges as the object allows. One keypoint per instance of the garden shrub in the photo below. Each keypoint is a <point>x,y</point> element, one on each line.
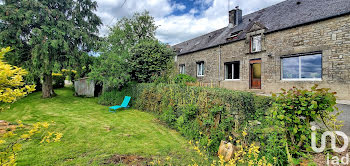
<point>149,58</point>
<point>271,135</point>
<point>12,85</point>
<point>207,115</point>
<point>167,75</point>
<point>169,116</point>
<point>285,130</point>
<point>184,78</point>
<point>295,109</point>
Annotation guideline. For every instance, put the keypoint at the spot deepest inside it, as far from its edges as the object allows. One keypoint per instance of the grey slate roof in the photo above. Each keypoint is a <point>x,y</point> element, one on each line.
<point>286,14</point>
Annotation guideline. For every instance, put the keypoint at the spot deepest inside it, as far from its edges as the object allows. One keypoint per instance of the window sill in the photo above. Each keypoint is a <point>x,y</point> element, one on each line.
<point>256,52</point>
<point>301,80</point>
<point>200,75</point>
<point>230,80</point>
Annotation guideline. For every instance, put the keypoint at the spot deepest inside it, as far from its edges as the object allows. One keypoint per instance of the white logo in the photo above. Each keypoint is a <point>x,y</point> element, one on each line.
<point>333,142</point>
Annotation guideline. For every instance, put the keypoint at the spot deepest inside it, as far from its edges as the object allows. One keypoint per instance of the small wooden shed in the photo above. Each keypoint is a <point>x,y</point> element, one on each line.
<point>87,88</point>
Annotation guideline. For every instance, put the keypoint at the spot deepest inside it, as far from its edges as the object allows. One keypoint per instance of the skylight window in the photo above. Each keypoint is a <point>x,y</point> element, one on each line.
<point>235,34</point>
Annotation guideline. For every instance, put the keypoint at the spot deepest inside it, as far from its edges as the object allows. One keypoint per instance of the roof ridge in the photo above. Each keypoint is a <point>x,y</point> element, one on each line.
<point>280,16</point>
<point>201,36</point>
<point>268,7</point>
<point>226,26</point>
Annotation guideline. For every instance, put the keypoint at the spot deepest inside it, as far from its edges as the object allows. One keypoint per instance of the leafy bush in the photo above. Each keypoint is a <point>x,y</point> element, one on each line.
<point>148,59</point>
<point>12,85</point>
<point>271,135</point>
<point>167,75</point>
<point>183,78</point>
<point>295,109</point>
<point>169,116</point>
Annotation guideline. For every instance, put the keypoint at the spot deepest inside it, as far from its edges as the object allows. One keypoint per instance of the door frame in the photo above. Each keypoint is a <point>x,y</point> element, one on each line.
<point>251,62</point>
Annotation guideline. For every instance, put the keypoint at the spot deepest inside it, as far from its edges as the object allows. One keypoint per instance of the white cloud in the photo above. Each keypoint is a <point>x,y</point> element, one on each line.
<point>112,10</point>
<point>174,29</point>
<point>180,7</point>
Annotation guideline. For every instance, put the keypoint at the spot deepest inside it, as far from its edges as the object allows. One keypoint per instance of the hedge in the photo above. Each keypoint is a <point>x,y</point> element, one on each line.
<point>116,97</point>
<point>207,115</point>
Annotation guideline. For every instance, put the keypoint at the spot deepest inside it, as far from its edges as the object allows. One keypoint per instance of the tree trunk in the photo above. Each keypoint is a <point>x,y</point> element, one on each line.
<point>47,88</point>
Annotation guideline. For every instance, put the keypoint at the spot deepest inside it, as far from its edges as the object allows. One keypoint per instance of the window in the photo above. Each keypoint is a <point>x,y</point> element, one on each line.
<point>182,69</point>
<point>234,35</point>
<point>255,43</point>
<point>308,67</point>
<point>200,68</point>
<point>232,71</point>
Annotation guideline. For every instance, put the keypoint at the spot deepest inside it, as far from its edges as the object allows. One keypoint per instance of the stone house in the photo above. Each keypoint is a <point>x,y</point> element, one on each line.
<point>293,43</point>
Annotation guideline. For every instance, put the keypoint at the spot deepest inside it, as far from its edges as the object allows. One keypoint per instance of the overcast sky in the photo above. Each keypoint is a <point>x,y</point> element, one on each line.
<point>178,20</point>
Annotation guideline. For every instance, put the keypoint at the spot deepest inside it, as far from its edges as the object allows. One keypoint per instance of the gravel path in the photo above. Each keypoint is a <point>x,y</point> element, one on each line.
<point>345,117</point>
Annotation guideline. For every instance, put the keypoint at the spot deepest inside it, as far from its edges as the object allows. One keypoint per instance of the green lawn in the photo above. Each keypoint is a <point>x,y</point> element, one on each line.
<point>86,139</point>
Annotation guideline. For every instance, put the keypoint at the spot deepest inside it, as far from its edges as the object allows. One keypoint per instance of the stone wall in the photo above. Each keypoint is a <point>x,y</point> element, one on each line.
<point>210,58</point>
<point>332,37</point>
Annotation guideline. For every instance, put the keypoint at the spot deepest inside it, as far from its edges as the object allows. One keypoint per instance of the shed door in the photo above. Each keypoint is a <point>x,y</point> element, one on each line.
<point>255,74</point>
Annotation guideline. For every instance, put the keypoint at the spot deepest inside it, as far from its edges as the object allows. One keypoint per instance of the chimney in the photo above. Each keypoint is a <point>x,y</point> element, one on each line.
<point>235,17</point>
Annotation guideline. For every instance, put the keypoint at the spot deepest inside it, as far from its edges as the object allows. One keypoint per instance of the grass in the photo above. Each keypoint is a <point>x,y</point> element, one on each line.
<point>86,141</point>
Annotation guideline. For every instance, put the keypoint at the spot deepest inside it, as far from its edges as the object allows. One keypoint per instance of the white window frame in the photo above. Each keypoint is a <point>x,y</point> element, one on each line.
<point>182,69</point>
<point>255,43</point>
<point>233,71</point>
<point>301,79</point>
<point>200,69</point>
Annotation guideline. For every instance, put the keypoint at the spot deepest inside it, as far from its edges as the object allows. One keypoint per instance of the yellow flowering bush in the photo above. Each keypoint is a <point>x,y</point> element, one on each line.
<point>248,155</point>
<point>11,141</point>
<point>57,74</point>
<point>11,81</point>
<point>67,71</point>
<point>70,74</point>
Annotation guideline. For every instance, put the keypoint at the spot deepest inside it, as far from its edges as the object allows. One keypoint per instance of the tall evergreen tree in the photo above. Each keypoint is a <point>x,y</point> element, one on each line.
<point>48,34</point>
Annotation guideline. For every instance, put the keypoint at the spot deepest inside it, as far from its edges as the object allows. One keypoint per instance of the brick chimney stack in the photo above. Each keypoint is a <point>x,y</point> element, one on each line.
<point>235,17</point>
